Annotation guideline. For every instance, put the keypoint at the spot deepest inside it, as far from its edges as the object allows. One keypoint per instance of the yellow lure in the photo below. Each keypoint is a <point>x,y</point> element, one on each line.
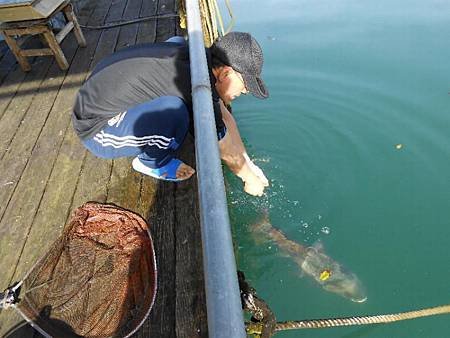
<point>324,275</point>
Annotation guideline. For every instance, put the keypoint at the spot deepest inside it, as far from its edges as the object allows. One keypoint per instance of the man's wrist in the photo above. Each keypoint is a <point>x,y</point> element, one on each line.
<point>245,173</point>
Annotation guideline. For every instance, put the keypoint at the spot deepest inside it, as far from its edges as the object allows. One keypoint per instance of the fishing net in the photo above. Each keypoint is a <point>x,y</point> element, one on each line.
<point>97,280</point>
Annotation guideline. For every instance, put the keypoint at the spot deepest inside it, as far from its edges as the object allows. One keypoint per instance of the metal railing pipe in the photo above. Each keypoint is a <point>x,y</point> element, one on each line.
<point>224,311</point>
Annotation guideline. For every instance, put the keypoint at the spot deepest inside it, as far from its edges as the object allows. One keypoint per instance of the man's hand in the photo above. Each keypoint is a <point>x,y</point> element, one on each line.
<point>256,170</point>
<point>254,186</point>
<point>253,177</point>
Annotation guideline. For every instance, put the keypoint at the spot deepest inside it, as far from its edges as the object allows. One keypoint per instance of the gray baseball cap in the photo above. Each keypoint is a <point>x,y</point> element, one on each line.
<point>242,52</point>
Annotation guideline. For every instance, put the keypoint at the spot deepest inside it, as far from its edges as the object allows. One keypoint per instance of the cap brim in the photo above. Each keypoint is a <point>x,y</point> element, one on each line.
<point>256,86</point>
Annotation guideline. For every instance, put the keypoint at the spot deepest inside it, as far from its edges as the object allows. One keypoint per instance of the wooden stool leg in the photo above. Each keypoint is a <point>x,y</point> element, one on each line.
<point>23,62</point>
<point>56,49</point>
<point>70,16</point>
<point>42,39</point>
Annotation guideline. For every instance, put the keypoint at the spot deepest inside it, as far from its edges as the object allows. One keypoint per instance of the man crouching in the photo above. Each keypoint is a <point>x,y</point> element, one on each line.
<point>137,103</point>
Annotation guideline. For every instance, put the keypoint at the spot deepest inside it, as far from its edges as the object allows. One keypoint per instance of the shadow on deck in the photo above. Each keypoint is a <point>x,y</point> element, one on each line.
<point>46,172</point>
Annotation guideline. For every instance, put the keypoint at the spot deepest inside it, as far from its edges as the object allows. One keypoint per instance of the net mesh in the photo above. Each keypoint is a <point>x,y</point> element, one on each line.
<point>97,280</point>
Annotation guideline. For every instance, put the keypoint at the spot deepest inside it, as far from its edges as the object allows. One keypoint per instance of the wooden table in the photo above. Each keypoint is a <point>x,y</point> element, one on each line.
<point>31,17</point>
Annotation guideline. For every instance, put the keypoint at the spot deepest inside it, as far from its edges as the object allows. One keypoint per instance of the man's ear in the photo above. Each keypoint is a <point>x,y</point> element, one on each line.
<point>224,71</point>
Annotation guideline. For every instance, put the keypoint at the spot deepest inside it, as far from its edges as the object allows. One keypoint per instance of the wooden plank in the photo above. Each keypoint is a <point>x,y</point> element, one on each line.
<point>18,107</point>
<point>127,35</point>
<point>161,322</point>
<point>13,164</point>
<point>29,191</point>
<point>56,201</point>
<point>9,87</point>
<point>19,149</point>
<point>146,33</point>
<point>124,186</point>
<point>7,64</point>
<point>96,172</point>
<point>8,318</point>
<point>179,310</point>
<point>125,183</point>
<point>116,11</point>
<point>166,26</point>
<point>26,30</point>
<point>55,205</point>
<point>161,217</point>
<point>39,107</point>
<point>13,81</point>
<point>179,302</point>
<point>147,29</point>
<point>30,132</point>
<point>46,227</point>
<point>175,234</point>
<point>147,196</point>
<point>3,48</point>
<point>11,76</point>
<point>190,298</point>
<point>37,52</point>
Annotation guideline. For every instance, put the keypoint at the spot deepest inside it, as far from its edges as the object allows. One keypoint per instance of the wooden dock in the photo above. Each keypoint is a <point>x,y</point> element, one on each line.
<point>46,173</point>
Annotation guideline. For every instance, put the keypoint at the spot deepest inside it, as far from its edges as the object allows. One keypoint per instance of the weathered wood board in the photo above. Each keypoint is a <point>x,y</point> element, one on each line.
<point>47,173</point>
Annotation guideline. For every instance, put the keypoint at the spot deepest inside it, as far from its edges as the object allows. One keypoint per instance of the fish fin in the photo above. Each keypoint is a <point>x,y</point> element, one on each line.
<point>301,274</point>
<point>318,246</point>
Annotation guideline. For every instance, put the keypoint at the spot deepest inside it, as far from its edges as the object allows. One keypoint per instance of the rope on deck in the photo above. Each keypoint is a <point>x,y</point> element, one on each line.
<point>210,14</point>
<point>211,19</point>
<point>132,21</point>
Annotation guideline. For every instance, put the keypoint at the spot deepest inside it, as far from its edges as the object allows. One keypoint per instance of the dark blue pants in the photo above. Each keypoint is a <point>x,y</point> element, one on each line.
<point>152,131</point>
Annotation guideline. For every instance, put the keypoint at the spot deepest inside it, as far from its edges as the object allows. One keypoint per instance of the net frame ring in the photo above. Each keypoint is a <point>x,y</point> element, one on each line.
<point>41,287</point>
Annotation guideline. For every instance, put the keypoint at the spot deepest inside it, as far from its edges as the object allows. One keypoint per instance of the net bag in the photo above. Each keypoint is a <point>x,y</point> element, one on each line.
<point>97,280</point>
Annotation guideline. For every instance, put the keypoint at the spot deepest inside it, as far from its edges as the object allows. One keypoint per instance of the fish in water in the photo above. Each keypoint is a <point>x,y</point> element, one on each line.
<point>313,261</point>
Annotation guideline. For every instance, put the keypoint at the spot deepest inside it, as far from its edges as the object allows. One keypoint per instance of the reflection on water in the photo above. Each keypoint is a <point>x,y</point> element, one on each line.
<point>355,142</point>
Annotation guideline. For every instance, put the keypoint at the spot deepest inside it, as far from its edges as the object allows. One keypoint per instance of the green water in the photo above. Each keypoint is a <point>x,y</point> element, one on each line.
<point>349,81</point>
